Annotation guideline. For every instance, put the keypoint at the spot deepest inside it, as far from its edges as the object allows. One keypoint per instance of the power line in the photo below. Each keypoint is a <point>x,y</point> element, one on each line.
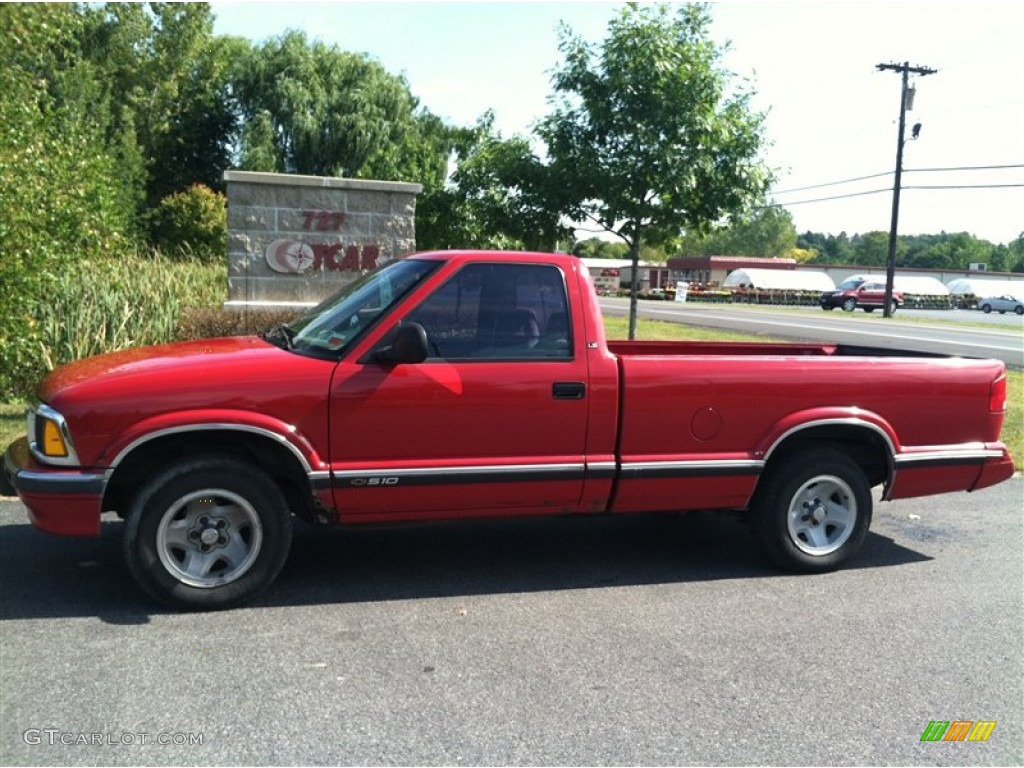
<point>905,170</point>
<point>831,183</point>
<point>823,199</point>
<point>963,168</point>
<point>878,191</point>
<point>966,186</point>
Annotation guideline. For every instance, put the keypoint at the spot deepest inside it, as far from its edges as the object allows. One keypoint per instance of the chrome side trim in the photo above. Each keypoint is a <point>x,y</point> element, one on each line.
<point>602,469</point>
<point>213,426</point>
<point>490,469</point>
<point>696,468</point>
<point>967,453</point>
<point>493,473</point>
<point>699,464</point>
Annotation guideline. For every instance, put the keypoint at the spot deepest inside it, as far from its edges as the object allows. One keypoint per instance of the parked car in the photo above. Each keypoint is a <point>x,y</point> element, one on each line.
<point>1001,304</point>
<point>480,384</point>
<point>857,292</point>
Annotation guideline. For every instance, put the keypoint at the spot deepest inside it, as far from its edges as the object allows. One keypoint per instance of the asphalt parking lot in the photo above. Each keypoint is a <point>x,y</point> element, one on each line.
<point>652,640</point>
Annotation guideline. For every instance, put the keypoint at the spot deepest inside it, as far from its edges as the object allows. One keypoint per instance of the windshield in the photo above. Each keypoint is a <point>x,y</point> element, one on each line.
<point>333,324</point>
<point>850,283</point>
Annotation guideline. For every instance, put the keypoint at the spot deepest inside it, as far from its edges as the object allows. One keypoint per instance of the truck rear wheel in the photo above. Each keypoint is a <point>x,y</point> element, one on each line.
<point>207,533</point>
<point>812,513</point>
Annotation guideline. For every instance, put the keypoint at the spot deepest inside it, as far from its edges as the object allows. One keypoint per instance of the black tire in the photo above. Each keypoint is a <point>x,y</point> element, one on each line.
<point>986,308</point>
<point>1019,310</point>
<point>828,307</point>
<point>207,533</point>
<point>812,513</point>
<point>868,309</point>
<point>849,305</point>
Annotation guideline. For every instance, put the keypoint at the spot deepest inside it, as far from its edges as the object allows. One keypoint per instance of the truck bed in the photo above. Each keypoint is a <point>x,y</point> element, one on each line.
<point>700,419</point>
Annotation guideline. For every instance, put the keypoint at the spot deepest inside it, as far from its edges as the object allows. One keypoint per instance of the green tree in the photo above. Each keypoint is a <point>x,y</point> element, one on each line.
<point>596,248</point>
<point>1014,259</point>
<point>871,248</point>
<point>766,232</point>
<point>647,139</point>
<point>446,217</point>
<point>497,195</point>
<point>61,193</point>
<point>505,185</point>
<point>193,222</point>
<point>165,91</point>
<point>332,113</point>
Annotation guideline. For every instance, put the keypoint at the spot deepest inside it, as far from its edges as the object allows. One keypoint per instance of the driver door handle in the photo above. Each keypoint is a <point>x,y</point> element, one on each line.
<point>568,390</point>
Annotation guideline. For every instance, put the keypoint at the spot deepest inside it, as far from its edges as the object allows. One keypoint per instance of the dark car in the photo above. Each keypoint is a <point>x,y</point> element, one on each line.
<point>857,292</point>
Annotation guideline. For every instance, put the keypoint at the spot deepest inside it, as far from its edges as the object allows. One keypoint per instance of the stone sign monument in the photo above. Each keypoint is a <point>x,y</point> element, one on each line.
<point>297,239</point>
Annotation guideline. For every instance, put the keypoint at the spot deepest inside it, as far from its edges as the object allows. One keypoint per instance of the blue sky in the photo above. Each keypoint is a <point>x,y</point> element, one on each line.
<point>831,115</point>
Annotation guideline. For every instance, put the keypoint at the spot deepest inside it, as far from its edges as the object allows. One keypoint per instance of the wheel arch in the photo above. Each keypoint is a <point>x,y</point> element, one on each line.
<point>268,451</point>
<point>868,444</point>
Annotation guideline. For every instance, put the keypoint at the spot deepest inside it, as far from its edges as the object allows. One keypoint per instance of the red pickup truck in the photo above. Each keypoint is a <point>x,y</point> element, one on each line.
<point>473,384</point>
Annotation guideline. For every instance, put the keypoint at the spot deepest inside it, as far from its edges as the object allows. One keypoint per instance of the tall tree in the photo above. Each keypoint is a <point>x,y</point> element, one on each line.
<point>330,111</point>
<point>766,232</point>
<point>165,85</point>
<point>495,197</point>
<point>871,248</point>
<point>506,186</point>
<point>647,139</point>
<point>61,193</point>
<point>1013,260</point>
<point>596,248</point>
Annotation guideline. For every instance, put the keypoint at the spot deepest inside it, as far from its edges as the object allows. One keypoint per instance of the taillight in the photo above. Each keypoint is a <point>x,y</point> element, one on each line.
<point>997,395</point>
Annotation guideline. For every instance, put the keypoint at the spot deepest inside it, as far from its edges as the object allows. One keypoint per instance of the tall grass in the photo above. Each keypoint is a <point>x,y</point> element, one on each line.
<point>112,305</point>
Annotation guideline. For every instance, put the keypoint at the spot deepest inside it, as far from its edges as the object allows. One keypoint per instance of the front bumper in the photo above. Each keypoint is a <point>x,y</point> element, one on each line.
<point>61,501</point>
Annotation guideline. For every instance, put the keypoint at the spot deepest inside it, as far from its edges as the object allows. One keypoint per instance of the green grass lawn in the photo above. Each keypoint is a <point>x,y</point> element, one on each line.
<point>12,416</point>
<point>12,423</point>
<point>658,330</point>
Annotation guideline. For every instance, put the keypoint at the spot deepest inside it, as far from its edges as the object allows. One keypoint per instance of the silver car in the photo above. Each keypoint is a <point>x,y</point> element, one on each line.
<point>1001,304</point>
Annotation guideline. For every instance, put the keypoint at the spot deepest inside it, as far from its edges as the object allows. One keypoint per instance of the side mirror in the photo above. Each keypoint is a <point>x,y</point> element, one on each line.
<point>408,346</point>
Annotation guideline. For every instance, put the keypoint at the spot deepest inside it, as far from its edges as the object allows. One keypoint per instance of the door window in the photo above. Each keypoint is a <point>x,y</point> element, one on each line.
<point>498,312</point>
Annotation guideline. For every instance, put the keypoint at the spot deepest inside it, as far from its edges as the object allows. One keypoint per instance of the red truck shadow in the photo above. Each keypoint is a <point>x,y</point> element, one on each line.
<point>47,577</point>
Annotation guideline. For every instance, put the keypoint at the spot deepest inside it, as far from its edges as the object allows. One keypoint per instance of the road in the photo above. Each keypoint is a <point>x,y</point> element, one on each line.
<point>588,641</point>
<point>998,336</point>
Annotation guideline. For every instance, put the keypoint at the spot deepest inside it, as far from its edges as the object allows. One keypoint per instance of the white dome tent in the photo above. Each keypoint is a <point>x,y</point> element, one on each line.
<point>779,280</point>
<point>984,288</point>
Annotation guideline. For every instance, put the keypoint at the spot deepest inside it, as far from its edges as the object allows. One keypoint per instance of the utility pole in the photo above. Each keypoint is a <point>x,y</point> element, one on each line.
<point>890,265</point>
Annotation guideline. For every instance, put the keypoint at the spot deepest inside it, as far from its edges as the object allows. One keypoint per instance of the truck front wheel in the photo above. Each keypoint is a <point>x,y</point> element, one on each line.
<point>812,513</point>
<point>207,533</point>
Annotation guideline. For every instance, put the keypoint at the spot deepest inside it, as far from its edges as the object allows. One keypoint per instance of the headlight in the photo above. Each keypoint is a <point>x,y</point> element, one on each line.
<point>49,439</point>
